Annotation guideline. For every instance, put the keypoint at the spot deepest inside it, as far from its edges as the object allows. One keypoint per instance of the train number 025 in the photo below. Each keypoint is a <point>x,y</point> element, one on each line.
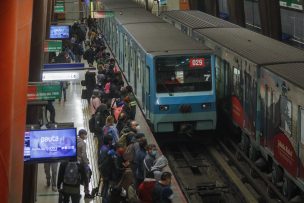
<point>197,62</point>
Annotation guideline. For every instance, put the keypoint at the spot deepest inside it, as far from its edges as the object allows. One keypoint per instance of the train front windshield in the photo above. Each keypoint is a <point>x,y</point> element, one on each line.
<point>183,74</point>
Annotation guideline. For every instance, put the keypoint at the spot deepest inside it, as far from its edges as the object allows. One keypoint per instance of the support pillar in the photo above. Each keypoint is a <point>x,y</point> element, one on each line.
<point>270,16</point>
<point>16,22</point>
<point>236,12</point>
<point>41,16</point>
<point>38,37</point>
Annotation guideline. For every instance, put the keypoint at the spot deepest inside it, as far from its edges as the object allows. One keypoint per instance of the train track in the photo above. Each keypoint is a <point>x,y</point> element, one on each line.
<point>197,173</point>
<point>212,170</point>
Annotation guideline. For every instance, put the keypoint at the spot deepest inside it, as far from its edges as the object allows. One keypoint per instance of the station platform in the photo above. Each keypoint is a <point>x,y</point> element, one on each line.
<point>76,110</point>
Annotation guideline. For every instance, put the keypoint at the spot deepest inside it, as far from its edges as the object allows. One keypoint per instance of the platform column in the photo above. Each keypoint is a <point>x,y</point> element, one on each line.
<point>270,16</point>
<point>15,23</point>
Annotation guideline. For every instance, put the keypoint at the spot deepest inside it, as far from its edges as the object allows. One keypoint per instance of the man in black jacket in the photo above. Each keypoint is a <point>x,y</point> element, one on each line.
<point>67,186</point>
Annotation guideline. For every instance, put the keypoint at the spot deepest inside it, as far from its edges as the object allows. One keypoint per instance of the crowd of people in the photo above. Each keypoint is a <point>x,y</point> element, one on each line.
<point>131,169</point>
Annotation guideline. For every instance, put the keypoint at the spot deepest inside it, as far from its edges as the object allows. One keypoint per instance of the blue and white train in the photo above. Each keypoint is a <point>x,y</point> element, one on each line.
<point>173,76</point>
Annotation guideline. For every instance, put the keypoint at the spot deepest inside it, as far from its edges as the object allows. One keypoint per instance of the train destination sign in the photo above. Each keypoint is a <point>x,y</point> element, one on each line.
<point>197,62</point>
<point>52,45</point>
<point>43,91</point>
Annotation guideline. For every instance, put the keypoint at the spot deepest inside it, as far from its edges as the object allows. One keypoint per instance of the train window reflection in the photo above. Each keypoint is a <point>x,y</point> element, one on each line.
<point>183,74</point>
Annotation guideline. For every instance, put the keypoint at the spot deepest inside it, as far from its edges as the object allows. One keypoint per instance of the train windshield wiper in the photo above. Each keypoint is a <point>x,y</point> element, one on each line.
<point>168,90</point>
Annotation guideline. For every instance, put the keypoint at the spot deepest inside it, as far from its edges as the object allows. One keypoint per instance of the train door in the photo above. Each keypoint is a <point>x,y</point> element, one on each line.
<point>267,120</point>
<point>126,58</point>
<point>113,36</point>
<point>236,110</point>
<point>219,66</point>
<point>147,90</point>
<point>135,70</point>
<point>139,85</point>
<point>249,103</point>
<point>117,43</point>
<point>132,74</point>
<point>227,75</point>
<point>121,50</point>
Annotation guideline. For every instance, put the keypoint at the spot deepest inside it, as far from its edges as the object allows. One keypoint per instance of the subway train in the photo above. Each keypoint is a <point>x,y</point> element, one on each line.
<point>173,76</point>
<point>260,91</point>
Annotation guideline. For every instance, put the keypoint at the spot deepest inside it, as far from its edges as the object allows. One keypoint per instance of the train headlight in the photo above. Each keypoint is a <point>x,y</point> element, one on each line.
<point>206,106</point>
<point>163,107</point>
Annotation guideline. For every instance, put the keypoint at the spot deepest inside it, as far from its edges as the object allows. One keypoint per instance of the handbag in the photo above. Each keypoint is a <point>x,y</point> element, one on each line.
<point>84,94</point>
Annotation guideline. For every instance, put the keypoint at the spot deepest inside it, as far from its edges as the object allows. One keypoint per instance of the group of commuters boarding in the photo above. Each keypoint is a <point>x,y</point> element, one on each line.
<point>130,168</point>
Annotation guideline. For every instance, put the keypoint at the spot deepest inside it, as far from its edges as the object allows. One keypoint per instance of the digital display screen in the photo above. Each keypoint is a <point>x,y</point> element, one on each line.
<point>46,145</point>
<point>197,62</point>
<point>59,32</point>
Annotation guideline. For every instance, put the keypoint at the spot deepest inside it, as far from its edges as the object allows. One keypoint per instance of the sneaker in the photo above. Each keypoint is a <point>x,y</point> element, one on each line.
<point>88,196</point>
<point>54,189</point>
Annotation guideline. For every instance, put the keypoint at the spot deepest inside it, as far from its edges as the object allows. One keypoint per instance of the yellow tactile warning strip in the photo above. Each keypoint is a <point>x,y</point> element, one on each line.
<point>92,148</point>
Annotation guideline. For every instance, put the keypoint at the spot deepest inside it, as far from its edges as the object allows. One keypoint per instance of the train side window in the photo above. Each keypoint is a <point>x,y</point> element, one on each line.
<point>236,81</point>
<point>286,109</point>
<point>302,124</point>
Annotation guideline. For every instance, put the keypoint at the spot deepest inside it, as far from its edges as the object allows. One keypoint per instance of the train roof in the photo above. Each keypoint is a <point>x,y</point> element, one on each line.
<point>162,37</point>
<point>153,34</point>
<point>135,15</point>
<point>255,47</point>
<point>292,72</point>
<point>197,19</point>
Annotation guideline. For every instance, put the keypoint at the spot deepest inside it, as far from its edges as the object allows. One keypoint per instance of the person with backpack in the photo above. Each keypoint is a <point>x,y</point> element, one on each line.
<point>131,126</point>
<point>95,101</point>
<point>105,165</point>
<point>121,121</point>
<point>110,129</point>
<point>82,158</point>
<point>90,82</point>
<point>162,192</point>
<point>130,98</point>
<point>99,121</point>
<point>70,176</point>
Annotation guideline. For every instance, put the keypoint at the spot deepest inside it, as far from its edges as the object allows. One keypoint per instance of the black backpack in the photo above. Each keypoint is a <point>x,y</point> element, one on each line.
<point>106,166</point>
<point>71,174</point>
<point>101,115</point>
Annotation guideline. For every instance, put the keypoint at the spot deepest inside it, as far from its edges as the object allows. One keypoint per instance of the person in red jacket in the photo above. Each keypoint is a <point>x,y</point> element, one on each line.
<point>145,190</point>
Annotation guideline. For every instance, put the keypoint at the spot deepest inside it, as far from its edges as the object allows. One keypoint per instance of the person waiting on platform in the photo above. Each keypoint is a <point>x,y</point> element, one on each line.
<point>50,107</point>
<point>82,158</point>
<point>90,82</point>
<point>162,192</point>
<point>95,101</point>
<point>63,86</point>
<point>48,168</point>
<point>70,176</point>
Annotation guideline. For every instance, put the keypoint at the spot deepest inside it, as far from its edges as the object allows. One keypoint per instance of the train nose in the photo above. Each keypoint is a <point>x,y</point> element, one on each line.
<point>185,108</point>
